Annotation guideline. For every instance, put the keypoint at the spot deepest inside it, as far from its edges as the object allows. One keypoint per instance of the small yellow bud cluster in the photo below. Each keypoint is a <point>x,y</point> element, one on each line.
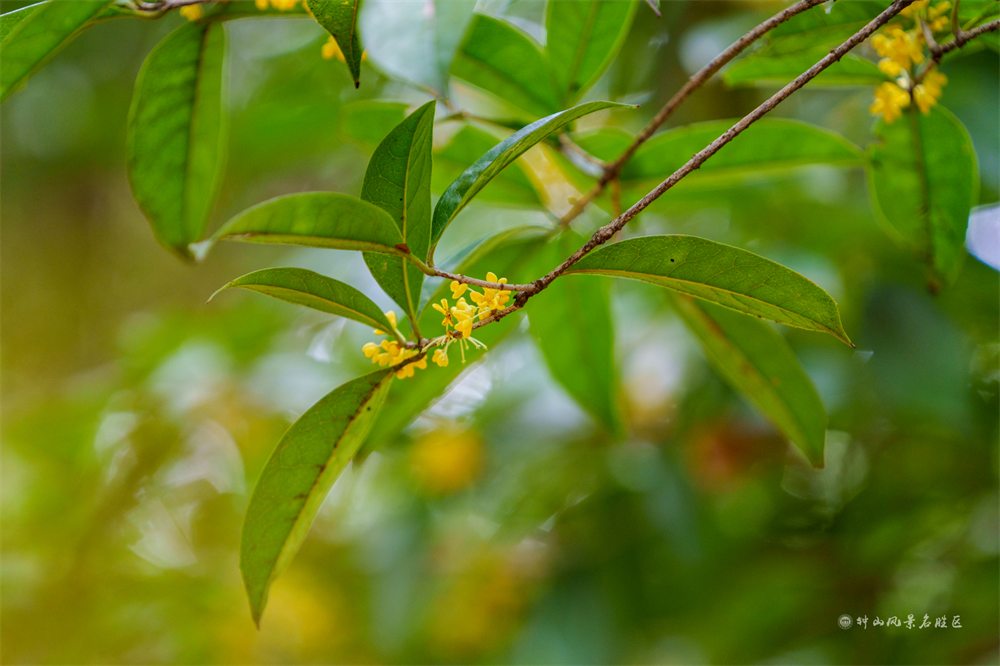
<point>192,12</point>
<point>331,50</point>
<point>901,51</point>
<point>459,318</point>
<point>390,352</point>
<point>280,5</point>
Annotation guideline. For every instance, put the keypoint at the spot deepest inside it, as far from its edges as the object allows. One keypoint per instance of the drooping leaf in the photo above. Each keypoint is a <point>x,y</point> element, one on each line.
<point>312,290</point>
<point>777,70</point>
<point>501,59</point>
<point>722,274</point>
<point>415,41</point>
<point>369,121</point>
<point>509,254</point>
<point>398,180</point>
<point>475,178</point>
<point>316,219</point>
<point>340,19</point>
<point>769,144</point>
<point>582,38</point>
<point>821,26</point>
<point>297,477</point>
<point>757,362</point>
<point>572,326</point>
<point>176,133</point>
<point>510,186</point>
<point>32,35</point>
<point>924,179</point>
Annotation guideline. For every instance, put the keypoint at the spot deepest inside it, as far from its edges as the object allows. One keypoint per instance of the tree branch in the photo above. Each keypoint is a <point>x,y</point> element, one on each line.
<point>698,79</point>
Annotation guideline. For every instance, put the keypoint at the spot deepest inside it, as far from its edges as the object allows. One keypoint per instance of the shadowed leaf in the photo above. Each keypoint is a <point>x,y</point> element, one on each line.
<point>340,18</point>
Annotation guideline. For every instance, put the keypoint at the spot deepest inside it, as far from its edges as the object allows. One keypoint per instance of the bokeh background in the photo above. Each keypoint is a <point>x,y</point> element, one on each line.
<point>501,526</point>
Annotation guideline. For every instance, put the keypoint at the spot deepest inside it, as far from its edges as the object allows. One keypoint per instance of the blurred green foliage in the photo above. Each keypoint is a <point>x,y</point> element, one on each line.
<point>503,524</point>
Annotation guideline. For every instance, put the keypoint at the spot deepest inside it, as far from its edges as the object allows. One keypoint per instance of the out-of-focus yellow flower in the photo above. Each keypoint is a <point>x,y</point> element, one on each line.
<point>937,18</point>
<point>915,9</point>
<point>890,99</point>
<point>192,12</point>
<point>280,5</point>
<point>331,50</point>
<point>900,47</point>
<point>447,461</point>
<point>934,81</point>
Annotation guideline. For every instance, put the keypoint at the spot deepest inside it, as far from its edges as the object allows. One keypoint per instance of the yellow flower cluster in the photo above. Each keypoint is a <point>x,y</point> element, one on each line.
<point>280,5</point>
<point>901,51</point>
<point>331,50</point>
<point>390,352</point>
<point>459,318</point>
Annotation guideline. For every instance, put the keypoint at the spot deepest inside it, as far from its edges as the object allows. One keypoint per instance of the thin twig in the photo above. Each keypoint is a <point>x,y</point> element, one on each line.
<point>939,50</point>
<point>696,81</point>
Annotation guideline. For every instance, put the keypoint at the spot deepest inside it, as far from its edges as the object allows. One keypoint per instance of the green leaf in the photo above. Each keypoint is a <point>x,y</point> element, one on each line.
<point>571,323</point>
<point>767,145</point>
<point>29,37</point>
<point>369,121</point>
<point>756,361</point>
<point>312,290</point>
<point>505,61</point>
<point>818,28</point>
<point>475,178</point>
<point>582,39</point>
<point>316,219</point>
<point>924,179</point>
<point>297,477</point>
<point>398,180</point>
<point>177,133</point>
<point>722,274</point>
<point>511,186</point>
<point>415,41</point>
<point>340,19</point>
<point>510,254</point>
<point>760,70</point>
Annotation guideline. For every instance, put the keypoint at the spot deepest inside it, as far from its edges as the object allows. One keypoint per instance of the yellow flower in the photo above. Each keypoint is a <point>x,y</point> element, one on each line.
<point>331,50</point>
<point>457,289</point>
<point>408,370</point>
<point>899,46</point>
<point>192,12</point>
<point>934,81</point>
<point>890,99</point>
<point>370,349</point>
<point>440,357</point>
<point>890,67</point>
<point>260,4</point>
<point>923,98</point>
<point>391,316</point>
<point>913,10</point>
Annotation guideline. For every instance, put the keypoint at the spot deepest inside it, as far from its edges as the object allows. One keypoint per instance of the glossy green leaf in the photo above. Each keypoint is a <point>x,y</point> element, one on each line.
<point>398,180</point>
<point>510,186</point>
<point>475,178</point>
<point>755,70</point>
<point>582,38</point>
<point>822,26</point>
<point>767,145</point>
<point>369,121</point>
<point>415,41</point>
<point>177,132</point>
<point>510,254</point>
<point>501,59</point>
<point>316,219</point>
<point>757,362</point>
<point>924,179</point>
<point>312,290</point>
<point>722,274</point>
<point>32,35</point>
<point>340,19</point>
<point>298,476</point>
<point>572,326</point>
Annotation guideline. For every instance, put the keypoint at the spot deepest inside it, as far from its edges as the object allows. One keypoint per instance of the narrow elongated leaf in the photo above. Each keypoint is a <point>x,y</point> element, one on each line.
<point>769,144</point>
<point>475,178</point>
<point>851,70</point>
<point>316,219</point>
<point>582,39</point>
<point>924,179</point>
<point>297,477</point>
<point>722,274</point>
<point>415,41</point>
<point>509,253</point>
<point>757,362</point>
<point>398,181</point>
<point>312,290</point>
<point>505,61</point>
<point>571,324</point>
<point>340,19</point>
<point>32,35</point>
<point>510,186</point>
<point>176,133</point>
